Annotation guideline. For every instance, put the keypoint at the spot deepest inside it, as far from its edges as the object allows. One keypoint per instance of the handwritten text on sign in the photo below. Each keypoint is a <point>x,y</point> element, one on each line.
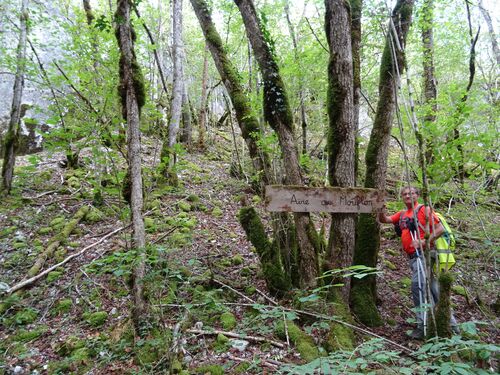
<point>326,199</point>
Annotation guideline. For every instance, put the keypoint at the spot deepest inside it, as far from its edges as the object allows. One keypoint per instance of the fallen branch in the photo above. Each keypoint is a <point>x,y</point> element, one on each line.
<point>56,240</point>
<point>235,335</point>
<point>31,280</point>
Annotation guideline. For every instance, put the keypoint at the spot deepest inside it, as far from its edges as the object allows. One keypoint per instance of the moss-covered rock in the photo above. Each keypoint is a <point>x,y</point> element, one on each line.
<point>57,221</point>
<point>44,230</point>
<point>304,343</point>
<point>73,182</point>
<point>228,321</point>
<point>96,319</point>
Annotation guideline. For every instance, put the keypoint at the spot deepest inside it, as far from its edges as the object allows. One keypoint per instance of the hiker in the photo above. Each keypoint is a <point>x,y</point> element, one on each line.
<point>412,238</point>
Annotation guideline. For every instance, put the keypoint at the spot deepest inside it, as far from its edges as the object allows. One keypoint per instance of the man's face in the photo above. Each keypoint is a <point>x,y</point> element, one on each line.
<point>409,195</point>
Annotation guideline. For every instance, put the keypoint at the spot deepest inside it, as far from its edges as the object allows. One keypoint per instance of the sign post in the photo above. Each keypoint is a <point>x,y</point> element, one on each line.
<point>324,199</point>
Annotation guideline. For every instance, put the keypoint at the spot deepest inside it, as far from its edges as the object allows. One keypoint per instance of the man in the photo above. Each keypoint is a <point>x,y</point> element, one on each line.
<point>412,237</point>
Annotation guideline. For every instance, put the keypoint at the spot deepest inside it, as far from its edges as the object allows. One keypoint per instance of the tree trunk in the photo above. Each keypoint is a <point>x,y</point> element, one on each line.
<point>202,117</point>
<point>132,99</point>
<point>186,136</point>
<point>430,90</point>
<point>247,122</point>
<point>341,134</point>
<point>11,137</point>
<point>363,291</point>
<point>279,116</point>
<point>176,104</point>
<point>356,8</point>
<point>491,31</point>
<point>303,120</point>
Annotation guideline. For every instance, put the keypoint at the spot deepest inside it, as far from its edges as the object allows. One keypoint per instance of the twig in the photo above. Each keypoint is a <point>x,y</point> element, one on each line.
<point>31,280</point>
<point>234,290</point>
<point>315,36</point>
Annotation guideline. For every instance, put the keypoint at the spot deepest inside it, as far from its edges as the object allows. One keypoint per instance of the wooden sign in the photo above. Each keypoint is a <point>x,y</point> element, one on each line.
<point>326,199</point>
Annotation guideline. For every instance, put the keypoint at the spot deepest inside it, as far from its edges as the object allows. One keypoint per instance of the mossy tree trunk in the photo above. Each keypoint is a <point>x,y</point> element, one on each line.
<point>430,87</point>
<point>278,114</point>
<point>341,132</point>
<point>363,291</point>
<point>132,99</point>
<point>202,115</point>
<point>356,13</point>
<point>11,137</point>
<point>443,308</point>
<point>284,243</point>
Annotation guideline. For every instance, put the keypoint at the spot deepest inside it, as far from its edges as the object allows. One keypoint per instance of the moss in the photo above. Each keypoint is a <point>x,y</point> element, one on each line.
<point>184,206</point>
<point>390,265</point>
<point>405,282</point>
<point>149,223</point>
<point>237,260</point>
<point>228,321</point>
<point>221,344</point>
<point>304,343</point>
<point>209,369</point>
<point>25,336</point>
<point>57,221</point>
<point>242,368</point>
<point>44,230</point>
<point>73,182</point>
<point>96,319</point>
<point>443,309</point>
<point>94,215</point>
<point>217,212</point>
<point>340,337</point>
<point>25,316</point>
<point>63,306</point>
<point>53,276</point>
<point>19,245</point>
<point>460,290</point>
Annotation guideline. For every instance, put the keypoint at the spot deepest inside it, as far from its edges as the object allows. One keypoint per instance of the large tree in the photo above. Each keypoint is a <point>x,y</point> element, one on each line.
<point>132,94</point>
<point>278,115</point>
<point>363,291</point>
<point>11,138</point>
<point>341,131</point>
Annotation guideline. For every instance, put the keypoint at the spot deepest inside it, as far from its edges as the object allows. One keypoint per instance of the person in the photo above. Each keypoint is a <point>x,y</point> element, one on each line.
<point>413,242</point>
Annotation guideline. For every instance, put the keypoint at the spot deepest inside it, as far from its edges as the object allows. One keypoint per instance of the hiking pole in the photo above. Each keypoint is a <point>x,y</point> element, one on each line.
<point>421,286</point>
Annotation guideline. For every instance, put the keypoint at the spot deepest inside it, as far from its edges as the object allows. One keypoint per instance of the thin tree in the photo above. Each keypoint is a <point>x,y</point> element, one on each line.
<point>363,291</point>
<point>278,114</point>
<point>132,96</point>
<point>430,89</point>
<point>11,137</point>
<point>168,154</point>
<point>202,114</point>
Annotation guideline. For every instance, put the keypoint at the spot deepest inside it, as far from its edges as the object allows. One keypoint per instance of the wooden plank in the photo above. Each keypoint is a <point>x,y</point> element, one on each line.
<point>281,198</point>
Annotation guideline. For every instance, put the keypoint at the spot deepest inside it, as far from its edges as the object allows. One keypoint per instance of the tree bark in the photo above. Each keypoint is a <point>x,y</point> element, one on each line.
<point>176,105</point>
<point>279,116</point>
<point>430,90</point>
<point>202,117</point>
<point>363,291</point>
<point>303,119</point>
<point>132,99</point>
<point>341,132</point>
<point>356,13</point>
<point>11,137</point>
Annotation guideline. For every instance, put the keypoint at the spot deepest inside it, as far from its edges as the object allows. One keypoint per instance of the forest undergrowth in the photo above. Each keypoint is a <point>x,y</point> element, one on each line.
<point>209,309</point>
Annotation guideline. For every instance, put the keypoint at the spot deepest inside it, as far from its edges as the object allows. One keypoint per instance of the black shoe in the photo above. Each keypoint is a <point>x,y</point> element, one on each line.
<point>417,334</point>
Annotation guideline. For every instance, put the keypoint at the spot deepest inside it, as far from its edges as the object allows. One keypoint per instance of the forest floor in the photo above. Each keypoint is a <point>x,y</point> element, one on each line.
<point>209,306</point>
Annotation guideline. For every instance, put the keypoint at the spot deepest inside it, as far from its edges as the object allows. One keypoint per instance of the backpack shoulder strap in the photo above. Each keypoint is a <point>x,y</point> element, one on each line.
<point>419,207</point>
